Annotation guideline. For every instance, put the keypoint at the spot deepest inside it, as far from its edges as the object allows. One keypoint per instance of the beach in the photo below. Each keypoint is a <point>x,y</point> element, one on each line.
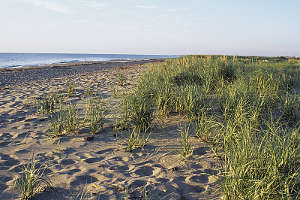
<point>99,165</point>
<point>12,76</point>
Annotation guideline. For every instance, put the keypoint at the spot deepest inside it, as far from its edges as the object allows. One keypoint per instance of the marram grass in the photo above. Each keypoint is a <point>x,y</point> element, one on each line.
<point>245,107</point>
<point>32,180</point>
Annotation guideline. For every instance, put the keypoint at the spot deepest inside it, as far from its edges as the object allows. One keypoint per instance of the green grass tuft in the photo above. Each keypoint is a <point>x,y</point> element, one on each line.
<point>32,180</point>
<point>65,121</point>
<point>94,116</point>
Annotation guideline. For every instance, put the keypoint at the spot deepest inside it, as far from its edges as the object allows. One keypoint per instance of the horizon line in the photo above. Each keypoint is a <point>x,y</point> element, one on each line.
<point>205,54</point>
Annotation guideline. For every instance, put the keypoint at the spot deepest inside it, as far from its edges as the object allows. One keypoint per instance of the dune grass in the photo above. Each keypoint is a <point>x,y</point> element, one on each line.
<point>137,139</point>
<point>48,103</point>
<point>65,121</point>
<point>94,116</point>
<point>32,180</point>
<point>121,78</point>
<point>70,89</point>
<point>244,107</point>
<point>187,148</point>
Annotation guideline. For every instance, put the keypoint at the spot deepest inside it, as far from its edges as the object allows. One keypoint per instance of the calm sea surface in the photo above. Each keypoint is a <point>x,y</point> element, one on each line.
<point>24,59</point>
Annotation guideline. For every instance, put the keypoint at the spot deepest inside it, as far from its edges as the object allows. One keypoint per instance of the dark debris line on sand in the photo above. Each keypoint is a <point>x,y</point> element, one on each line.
<point>24,75</point>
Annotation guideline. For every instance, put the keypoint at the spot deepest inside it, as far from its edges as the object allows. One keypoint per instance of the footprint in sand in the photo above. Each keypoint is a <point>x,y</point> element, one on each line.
<point>105,151</point>
<point>211,171</point>
<point>124,159</point>
<point>90,171</point>
<point>166,191</point>
<point>201,178</point>
<point>86,179</point>
<point>144,171</point>
<point>93,160</point>
<point>120,168</point>
<point>72,171</point>
<point>22,151</point>
<point>195,166</point>
<point>67,162</point>
<point>144,163</point>
<point>190,192</point>
<point>21,135</point>
<point>148,171</point>
<point>136,183</point>
<point>7,161</point>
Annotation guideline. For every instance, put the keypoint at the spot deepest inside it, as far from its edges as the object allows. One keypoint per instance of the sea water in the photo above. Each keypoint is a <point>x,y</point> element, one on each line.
<point>37,59</point>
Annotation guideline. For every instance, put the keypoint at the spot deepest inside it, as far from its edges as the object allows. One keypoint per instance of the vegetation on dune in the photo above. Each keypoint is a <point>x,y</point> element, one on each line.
<point>137,139</point>
<point>32,180</point>
<point>121,79</point>
<point>244,107</point>
<point>48,103</point>
<point>187,149</point>
<point>65,118</point>
<point>65,121</point>
<point>94,116</point>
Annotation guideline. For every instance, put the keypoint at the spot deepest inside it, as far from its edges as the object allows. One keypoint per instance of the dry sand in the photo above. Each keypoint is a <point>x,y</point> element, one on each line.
<point>101,166</point>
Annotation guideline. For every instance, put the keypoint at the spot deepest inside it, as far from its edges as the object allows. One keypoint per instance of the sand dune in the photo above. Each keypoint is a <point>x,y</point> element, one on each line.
<point>100,166</point>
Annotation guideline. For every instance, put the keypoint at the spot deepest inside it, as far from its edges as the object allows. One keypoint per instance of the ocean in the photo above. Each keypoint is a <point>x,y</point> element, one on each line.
<point>38,59</point>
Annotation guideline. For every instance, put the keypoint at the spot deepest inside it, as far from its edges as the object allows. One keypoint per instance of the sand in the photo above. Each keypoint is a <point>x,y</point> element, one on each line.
<point>102,167</point>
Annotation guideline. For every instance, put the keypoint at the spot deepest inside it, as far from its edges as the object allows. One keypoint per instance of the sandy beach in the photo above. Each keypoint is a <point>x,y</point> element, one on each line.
<point>102,166</point>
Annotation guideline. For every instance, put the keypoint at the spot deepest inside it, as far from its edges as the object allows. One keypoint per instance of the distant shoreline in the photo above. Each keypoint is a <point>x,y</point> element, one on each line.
<point>69,64</point>
<point>13,76</point>
<point>20,60</point>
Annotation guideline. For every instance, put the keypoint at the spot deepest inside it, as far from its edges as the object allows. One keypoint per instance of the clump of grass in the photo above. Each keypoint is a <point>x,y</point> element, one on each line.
<point>88,92</point>
<point>137,139</point>
<point>121,79</point>
<point>115,93</point>
<point>204,126</point>
<point>46,105</point>
<point>65,121</point>
<point>289,109</point>
<point>226,70</point>
<point>187,149</point>
<point>70,89</point>
<point>94,116</point>
<point>137,111</point>
<point>32,180</point>
<point>145,194</point>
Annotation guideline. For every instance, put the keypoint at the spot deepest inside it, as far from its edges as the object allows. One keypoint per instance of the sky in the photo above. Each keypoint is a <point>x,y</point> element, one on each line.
<point>173,27</point>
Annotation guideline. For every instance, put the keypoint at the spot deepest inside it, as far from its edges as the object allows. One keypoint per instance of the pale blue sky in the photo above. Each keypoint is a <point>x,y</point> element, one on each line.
<point>236,27</point>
